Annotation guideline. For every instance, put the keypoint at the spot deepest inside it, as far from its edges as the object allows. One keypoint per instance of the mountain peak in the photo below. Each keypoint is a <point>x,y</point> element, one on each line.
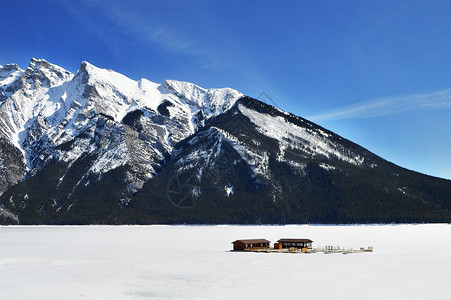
<point>9,73</point>
<point>9,68</point>
<point>39,63</point>
<point>42,72</point>
<point>106,76</point>
<point>86,66</point>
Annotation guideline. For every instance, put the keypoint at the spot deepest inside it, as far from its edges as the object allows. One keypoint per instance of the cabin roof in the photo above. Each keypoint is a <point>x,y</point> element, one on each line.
<point>284,240</point>
<point>255,241</point>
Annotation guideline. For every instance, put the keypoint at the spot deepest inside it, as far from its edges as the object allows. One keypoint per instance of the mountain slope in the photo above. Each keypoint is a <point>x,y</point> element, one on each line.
<point>235,170</point>
<point>98,147</point>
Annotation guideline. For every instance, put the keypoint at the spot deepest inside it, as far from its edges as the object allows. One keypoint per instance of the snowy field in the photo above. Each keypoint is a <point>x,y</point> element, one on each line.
<point>194,262</point>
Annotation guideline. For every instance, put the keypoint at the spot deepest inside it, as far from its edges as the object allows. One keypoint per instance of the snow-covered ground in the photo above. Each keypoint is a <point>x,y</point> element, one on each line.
<point>194,262</point>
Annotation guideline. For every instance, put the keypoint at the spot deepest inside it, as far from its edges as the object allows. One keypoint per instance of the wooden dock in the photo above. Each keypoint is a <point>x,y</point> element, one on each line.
<point>325,250</point>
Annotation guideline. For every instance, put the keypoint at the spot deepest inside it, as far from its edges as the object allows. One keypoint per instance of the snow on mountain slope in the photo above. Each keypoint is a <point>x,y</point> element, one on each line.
<point>313,142</point>
<point>115,95</point>
<point>33,91</point>
<point>208,156</point>
<point>8,76</point>
<point>211,102</point>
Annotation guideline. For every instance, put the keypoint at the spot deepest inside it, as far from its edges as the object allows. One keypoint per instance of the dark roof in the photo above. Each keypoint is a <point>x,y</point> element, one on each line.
<point>294,241</point>
<point>256,241</point>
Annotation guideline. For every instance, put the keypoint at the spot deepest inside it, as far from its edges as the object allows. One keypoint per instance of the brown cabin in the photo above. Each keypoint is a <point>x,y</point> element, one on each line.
<point>240,245</point>
<point>293,243</point>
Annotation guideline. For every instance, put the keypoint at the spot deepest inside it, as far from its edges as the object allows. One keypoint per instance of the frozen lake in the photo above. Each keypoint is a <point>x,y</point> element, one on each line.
<point>194,262</point>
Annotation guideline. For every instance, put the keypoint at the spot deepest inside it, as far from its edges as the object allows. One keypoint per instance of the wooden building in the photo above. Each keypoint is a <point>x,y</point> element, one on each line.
<point>240,245</point>
<point>293,243</point>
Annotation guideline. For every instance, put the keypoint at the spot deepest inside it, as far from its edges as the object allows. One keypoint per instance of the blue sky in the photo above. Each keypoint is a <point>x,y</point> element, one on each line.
<point>376,72</point>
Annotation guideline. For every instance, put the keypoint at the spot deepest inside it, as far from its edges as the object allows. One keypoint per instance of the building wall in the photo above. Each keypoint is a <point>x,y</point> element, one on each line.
<point>238,246</point>
<point>296,245</point>
<point>258,246</point>
<point>241,246</point>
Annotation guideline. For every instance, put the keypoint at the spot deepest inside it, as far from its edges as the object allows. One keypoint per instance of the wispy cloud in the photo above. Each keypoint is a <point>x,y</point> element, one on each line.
<point>139,26</point>
<point>212,55</point>
<point>132,22</point>
<point>389,106</point>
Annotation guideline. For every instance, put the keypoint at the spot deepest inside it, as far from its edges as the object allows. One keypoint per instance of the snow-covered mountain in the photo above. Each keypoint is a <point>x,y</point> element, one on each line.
<point>50,114</point>
<point>97,146</point>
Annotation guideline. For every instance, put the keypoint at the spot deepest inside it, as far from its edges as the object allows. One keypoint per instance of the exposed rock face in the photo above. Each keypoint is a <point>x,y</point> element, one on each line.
<point>12,167</point>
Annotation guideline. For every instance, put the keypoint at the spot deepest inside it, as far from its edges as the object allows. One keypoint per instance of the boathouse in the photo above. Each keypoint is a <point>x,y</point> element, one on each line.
<point>240,245</point>
<point>293,243</point>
